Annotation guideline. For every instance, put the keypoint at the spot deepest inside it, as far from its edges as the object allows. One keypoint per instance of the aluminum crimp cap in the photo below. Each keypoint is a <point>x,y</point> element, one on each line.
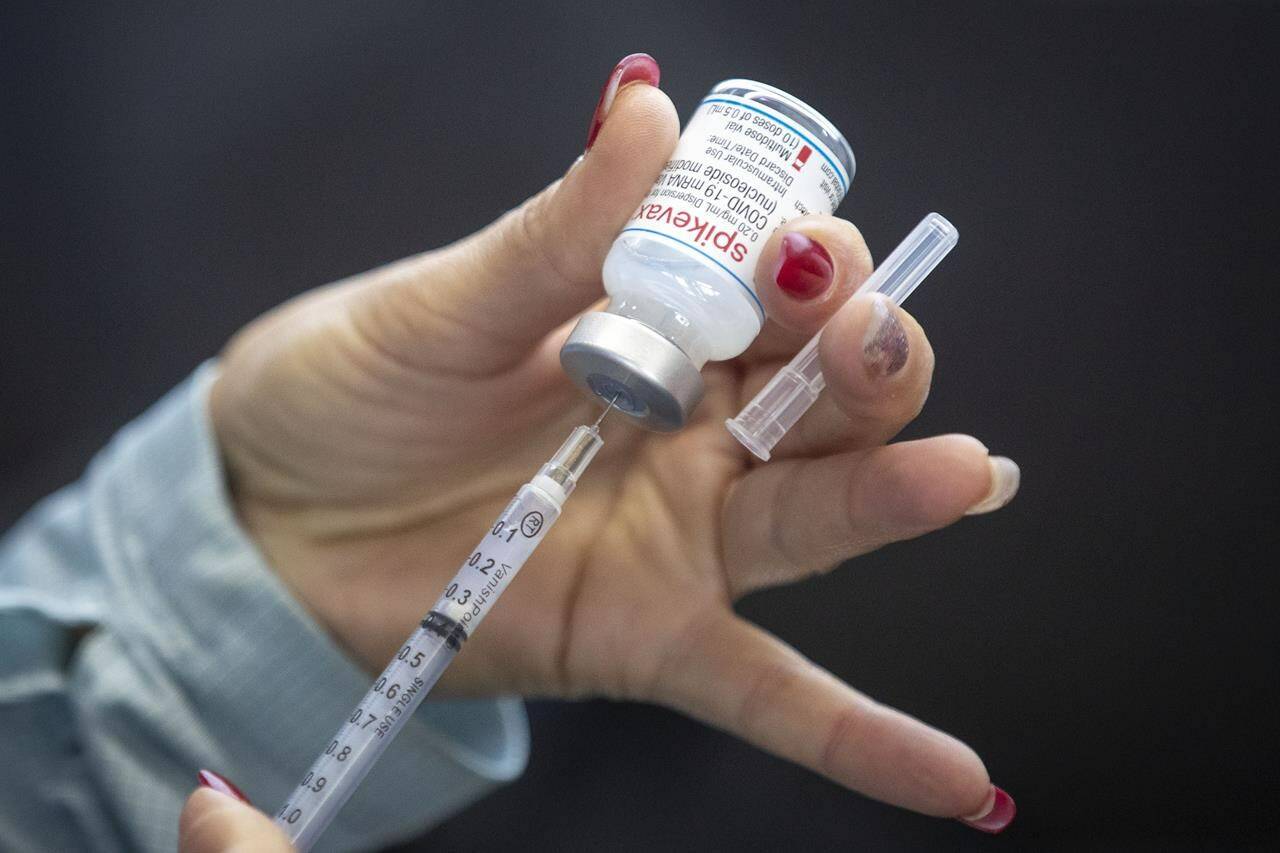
<point>648,378</point>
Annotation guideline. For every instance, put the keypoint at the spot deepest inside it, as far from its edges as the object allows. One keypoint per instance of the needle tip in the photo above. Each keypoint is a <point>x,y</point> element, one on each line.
<point>606,411</point>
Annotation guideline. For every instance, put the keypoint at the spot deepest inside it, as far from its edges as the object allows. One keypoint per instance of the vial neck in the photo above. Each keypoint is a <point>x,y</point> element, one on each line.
<point>666,320</point>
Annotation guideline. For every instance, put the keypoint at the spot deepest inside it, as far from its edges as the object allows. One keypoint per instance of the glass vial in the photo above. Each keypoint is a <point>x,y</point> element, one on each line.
<point>680,275</point>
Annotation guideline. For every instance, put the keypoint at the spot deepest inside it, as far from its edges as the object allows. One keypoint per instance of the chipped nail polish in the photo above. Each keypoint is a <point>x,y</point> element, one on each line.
<point>884,347</point>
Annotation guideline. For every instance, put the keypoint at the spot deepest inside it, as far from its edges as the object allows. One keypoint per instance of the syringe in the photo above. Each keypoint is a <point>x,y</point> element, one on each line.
<point>397,692</point>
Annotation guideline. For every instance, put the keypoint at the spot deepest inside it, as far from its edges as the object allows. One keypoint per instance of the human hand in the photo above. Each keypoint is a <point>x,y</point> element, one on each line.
<point>372,429</point>
<point>219,819</point>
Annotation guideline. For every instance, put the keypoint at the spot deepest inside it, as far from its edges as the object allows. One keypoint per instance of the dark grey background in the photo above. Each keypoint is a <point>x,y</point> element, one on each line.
<point>1108,643</point>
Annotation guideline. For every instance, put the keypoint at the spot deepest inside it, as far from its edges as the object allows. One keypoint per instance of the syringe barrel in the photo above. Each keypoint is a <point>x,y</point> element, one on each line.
<point>387,707</point>
<point>358,744</point>
<point>493,564</point>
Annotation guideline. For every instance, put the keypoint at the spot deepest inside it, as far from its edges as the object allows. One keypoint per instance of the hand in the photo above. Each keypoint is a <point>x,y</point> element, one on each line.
<point>374,428</point>
<point>218,819</point>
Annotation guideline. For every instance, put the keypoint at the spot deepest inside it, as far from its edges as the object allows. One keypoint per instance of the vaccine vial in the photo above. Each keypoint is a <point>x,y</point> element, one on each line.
<point>681,274</point>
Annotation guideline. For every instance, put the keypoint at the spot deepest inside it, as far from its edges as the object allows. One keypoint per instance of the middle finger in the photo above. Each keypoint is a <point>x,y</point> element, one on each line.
<point>807,270</point>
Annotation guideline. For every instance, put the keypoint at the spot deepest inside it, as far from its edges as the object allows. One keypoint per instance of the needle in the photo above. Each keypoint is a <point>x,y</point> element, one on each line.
<point>607,410</point>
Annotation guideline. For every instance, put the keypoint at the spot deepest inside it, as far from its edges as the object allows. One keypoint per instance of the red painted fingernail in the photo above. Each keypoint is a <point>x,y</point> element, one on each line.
<point>999,816</point>
<point>804,268</point>
<point>209,779</point>
<point>636,68</point>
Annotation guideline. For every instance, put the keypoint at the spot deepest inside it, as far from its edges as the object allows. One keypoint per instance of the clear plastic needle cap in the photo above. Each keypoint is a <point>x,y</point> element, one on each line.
<point>790,393</point>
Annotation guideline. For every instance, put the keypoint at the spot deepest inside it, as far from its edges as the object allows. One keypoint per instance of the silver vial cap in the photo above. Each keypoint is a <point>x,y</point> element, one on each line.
<point>649,378</point>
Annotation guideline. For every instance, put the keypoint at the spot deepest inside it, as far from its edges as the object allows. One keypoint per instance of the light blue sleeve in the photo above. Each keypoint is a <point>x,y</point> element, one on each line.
<point>142,637</point>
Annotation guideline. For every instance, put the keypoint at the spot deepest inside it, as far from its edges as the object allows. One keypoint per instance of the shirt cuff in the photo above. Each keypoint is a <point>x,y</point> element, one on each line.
<point>271,686</point>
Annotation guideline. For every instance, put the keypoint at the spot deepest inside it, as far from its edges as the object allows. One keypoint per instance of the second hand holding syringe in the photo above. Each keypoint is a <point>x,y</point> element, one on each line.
<point>384,710</point>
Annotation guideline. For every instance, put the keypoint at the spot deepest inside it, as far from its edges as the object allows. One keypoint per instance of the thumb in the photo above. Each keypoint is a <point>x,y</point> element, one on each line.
<point>215,821</point>
<point>513,282</point>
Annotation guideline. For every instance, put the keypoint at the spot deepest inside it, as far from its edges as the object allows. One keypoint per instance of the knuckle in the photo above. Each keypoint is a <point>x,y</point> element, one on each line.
<point>526,237</point>
<point>793,549</point>
<point>842,736</point>
<point>530,239</point>
<point>769,684</point>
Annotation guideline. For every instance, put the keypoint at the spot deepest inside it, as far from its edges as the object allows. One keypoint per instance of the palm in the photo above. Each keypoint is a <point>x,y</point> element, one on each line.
<point>632,564</point>
<point>594,610</point>
<point>633,558</point>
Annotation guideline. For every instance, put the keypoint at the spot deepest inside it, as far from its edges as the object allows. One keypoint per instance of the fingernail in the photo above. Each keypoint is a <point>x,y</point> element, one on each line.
<point>995,817</point>
<point>804,270</point>
<point>884,347</point>
<point>1005,476</point>
<point>636,68</point>
<point>209,779</point>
